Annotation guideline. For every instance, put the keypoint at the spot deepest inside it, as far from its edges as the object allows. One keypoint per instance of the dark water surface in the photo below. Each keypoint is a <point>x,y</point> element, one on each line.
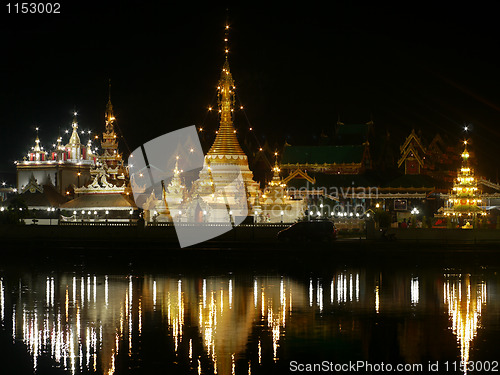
<point>248,322</point>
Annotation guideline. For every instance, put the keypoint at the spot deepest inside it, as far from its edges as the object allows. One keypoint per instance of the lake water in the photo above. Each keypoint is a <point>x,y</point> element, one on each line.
<point>247,323</point>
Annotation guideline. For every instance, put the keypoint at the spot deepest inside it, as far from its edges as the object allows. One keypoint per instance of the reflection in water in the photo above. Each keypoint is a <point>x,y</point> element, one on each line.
<point>230,324</point>
<point>465,300</point>
<point>414,290</point>
<point>2,302</point>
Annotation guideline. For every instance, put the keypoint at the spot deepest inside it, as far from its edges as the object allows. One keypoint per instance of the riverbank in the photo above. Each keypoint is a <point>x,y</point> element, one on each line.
<point>74,236</point>
<point>436,235</point>
<point>135,250</point>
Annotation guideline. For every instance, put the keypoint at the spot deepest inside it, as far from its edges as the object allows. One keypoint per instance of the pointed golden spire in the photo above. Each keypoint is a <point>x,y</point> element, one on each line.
<point>37,147</point>
<point>177,171</point>
<point>226,142</point>
<point>276,180</point>
<point>108,115</point>
<point>226,37</point>
<point>75,138</point>
<point>59,144</point>
<point>465,154</point>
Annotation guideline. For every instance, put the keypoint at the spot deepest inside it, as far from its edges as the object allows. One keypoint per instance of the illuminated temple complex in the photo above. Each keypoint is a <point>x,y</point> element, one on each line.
<point>108,196</point>
<point>350,171</point>
<point>225,189</point>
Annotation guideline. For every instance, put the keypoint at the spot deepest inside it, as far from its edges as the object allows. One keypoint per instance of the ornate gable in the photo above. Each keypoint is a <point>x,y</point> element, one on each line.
<point>412,154</point>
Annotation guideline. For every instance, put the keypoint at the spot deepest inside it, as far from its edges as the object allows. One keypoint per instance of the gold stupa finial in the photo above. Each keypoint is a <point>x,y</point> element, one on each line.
<point>108,115</point>
<point>276,180</point>
<point>226,142</point>
<point>75,138</point>
<point>37,141</point>
<point>465,154</point>
<point>226,35</point>
<point>177,171</point>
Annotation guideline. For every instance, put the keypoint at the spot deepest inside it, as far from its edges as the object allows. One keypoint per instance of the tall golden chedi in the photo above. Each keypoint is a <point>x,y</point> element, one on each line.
<point>464,202</point>
<point>108,196</point>
<point>110,160</point>
<point>225,183</point>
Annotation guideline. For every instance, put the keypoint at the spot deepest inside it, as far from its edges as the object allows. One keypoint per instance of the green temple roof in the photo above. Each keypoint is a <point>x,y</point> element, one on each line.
<point>322,154</point>
<point>413,181</point>
<point>353,129</point>
<point>334,180</point>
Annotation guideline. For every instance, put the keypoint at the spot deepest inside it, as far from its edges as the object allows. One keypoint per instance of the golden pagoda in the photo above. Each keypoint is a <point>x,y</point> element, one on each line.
<point>75,150</point>
<point>225,183</point>
<point>108,196</point>
<point>37,154</point>
<point>111,160</point>
<point>276,206</point>
<point>464,202</point>
<point>172,197</point>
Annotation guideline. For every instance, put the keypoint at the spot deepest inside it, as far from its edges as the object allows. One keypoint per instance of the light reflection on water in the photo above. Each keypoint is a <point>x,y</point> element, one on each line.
<point>465,300</point>
<point>236,324</point>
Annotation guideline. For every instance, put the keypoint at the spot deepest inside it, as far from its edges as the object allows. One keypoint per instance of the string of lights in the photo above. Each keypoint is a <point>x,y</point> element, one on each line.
<point>239,106</point>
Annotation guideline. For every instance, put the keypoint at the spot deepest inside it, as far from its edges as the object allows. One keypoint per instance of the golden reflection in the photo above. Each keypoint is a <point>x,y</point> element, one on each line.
<point>86,330</point>
<point>2,301</point>
<point>66,304</point>
<point>84,322</point>
<point>98,316</point>
<point>414,291</point>
<point>260,353</point>
<point>346,287</point>
<point>106,291</point>
<point>310,292</point>
<point>465,299</point>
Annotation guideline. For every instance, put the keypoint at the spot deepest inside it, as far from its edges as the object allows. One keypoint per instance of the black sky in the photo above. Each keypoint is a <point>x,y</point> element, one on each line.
<point>296,69</point>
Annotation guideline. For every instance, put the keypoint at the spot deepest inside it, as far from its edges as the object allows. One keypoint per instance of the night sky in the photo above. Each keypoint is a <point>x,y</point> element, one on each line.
<point>297,69</point>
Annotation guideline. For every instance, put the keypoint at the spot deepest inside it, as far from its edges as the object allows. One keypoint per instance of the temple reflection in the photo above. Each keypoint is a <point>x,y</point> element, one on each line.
<point>465,297</point>
<point>233,324</point>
